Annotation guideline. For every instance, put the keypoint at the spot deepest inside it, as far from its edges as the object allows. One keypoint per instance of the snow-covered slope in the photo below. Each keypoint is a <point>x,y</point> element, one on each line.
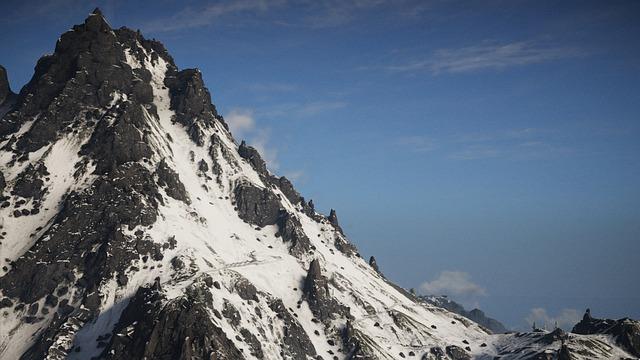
<point>135,227</point>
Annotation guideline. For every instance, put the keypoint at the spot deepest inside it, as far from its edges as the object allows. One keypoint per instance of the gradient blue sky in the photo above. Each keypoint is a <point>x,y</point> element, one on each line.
<point>486,149</point>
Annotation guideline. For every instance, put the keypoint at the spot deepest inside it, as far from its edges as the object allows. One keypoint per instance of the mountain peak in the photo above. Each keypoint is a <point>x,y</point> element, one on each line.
<point>5,88</point>
<point>96,22</point>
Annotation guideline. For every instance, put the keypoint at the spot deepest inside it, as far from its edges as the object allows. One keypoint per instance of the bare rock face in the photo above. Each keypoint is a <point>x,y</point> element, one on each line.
<point>5,89</point>
<point>179,329</point>
<point>290,229</point>
<point>192,103</point>
<point>625,331</point>
<point>170,180</point>
<point>297,344</point>
<point>316,292</point>
<point>250,154</point>
<point>374,264</point>
<point>256,205</point>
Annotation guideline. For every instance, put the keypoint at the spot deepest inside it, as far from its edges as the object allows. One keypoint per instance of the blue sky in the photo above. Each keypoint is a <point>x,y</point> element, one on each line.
<point>486,149</point>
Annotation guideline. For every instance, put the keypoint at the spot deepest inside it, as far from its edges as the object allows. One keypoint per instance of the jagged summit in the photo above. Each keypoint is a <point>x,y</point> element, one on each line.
<point>133,226</point>
<point>5,88</point>
<point>7,97</point>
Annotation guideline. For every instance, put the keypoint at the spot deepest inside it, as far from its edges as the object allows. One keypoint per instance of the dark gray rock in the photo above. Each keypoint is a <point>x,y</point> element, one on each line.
<point>457,353</point>
<point>333,220</point>
<point>5,88</point>
<point>258,206</point>
<point>252,155</point>
<point>180,329</point>
<point>246,290</point>
<point>127,197</point>
<point>435,353</point>
<point>29,183</point>
<point>191,102</point>
<point>231,313</point>
<point>356,344</point>
<point>564,353</point>
<point>626,332</point>
<point>170,181</point>
<point>290,229</point>
<point>374,264</point>
<point>253,342</point>
<point>123,141</point>
<point>318,296</point>
<point>296,344</point>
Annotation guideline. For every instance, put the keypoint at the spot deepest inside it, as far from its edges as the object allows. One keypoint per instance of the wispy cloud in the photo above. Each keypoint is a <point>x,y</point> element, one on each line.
<point>295,175</point>
<point>302,110</point>
<point>274,87</point>
<point>476,152</point>
<point>453,283</point>
<point>243,126</point>
<point>485,56</point>
<point>316,14</point>
<point>191,17</point>
<point>511,144</point>
<point>417,143</point>
<point>566,319</point>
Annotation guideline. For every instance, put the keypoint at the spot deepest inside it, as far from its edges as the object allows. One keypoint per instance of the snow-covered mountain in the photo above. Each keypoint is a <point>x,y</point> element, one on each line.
<point>133,226</point>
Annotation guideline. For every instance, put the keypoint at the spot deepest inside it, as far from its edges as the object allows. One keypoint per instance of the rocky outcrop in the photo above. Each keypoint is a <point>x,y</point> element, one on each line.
<point>296,344</point>
<point>318,296</point>
<point>170,181</point>
<point>457,353</point>
<point>625,331</point>
<point>374,264</point>
<point>290,230</point>
<point>126,198</point>
<point>191,101</point>
<point>333,220</point>
<point>250,154</point>
<point>255,205</point>
<point>121,140</point>
<point>153,328</point>
<point>6,95</point>
<point>30,182</point>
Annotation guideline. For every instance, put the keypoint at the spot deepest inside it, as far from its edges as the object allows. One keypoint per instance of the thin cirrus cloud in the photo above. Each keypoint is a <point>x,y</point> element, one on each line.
<point>191,17</point>
<point>512,144</point>
<point>302,110</point>
<point>308,14</point>
<point>485,56</point>
<point>417,143</point>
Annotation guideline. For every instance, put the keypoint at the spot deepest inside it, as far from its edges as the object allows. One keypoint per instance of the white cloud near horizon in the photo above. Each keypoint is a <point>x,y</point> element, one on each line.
<point>243,127</point>
<point>565,320</point>
<point>453,283</point>
<point>487,55</point>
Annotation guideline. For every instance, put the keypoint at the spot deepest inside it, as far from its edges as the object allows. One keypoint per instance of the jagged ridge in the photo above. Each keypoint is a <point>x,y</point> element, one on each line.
<point>134,227</point>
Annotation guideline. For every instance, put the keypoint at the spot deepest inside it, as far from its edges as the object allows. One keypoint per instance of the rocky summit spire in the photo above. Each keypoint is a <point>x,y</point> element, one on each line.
<point>96,22</point>
<point>5,89</point>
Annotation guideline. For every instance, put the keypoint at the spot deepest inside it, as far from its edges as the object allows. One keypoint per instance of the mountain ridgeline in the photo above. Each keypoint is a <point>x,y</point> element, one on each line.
<point>133,226</point>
